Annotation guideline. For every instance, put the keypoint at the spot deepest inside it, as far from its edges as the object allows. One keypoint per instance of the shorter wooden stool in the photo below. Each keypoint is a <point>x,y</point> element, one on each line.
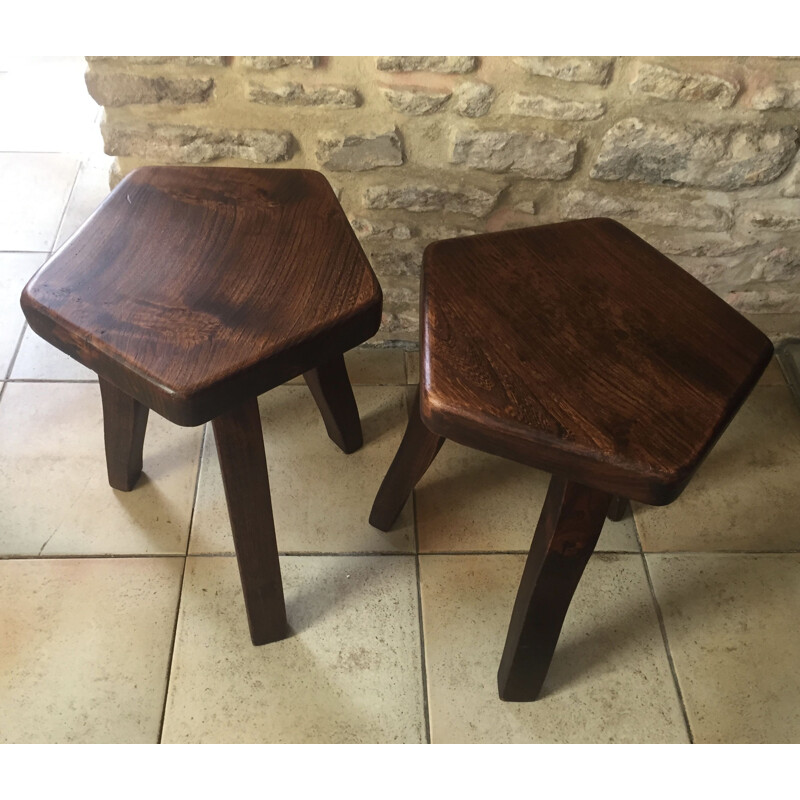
<point>191,291</point>
<point>579,349</point>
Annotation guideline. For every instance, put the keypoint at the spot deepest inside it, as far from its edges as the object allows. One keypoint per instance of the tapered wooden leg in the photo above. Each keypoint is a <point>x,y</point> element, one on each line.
<point>124,425</point>
<point>567,531</point>
<point>618,508</point>
<point>244,475</point>
<point>333,394</point>
<point>415,454</point>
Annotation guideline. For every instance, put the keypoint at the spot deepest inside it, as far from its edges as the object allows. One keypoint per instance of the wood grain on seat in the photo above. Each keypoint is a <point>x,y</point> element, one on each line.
<point>193,286</point>
<point>580,349</point>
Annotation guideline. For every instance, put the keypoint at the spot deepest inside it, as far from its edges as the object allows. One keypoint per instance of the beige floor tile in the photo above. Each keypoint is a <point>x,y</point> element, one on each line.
<point>84,648</point>
<point>609,681</point>
<point>91,188</point>
<point>773,375</point>
<point>53,486</point>
<point>39,360</point>
<point>349,673</point>
<point>371,366</point>
<point>53,112</point>
<point>472,501</point>
<point>744,497</point>
<point>34,189</point>
<point>731,622</point>
<point>321,498</point>
<point>412,366</point>
<point>15,271</point>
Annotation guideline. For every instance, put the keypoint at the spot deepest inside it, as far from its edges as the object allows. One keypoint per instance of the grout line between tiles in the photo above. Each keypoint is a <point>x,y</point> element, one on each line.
<point>66,206</point>
<point>16,353</point>
<point>372,553</point>
<point>67,556</point>
<point>665,638</point>
<point>48,380</point>
<point>24,252</point>
<point>423,663</point>
<point>38,153</point>
<point>180,590</point>
<point>168,676</point>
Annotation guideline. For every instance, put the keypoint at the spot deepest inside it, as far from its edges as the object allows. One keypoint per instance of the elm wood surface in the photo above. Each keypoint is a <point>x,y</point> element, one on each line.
<point>415,454</point>
<point>193,290</point>
<point>330,387</point>
<point>244,476</point>
<point>124,426</point>
<point>618,509</point>
<point>579,349</point>
<point>191,287</point>
<point>566,534</point>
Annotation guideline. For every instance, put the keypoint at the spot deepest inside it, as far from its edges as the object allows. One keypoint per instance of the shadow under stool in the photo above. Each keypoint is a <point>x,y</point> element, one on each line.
<point>191,291</point>
<point>579,349</point>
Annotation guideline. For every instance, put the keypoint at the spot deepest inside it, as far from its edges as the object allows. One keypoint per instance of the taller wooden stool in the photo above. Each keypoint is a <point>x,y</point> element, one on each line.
<point>579,349</point>
<point>191,291</point>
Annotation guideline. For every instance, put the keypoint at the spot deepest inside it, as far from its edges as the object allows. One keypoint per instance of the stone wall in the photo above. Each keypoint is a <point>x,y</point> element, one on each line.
<point>697,155</point>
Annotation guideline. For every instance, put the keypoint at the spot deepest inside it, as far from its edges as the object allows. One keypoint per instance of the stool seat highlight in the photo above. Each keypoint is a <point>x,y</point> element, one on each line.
<point>579,349</point>
<point>192,290</point>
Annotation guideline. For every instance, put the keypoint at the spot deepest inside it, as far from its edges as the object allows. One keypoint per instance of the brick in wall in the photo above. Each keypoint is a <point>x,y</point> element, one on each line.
<point>122,88</point>
<point>414,101</point>
<point>473,99</point>
<point>451,64</point>
<point>429,197</point>
<point>767,302</point>
<point>675,154</point>
<point>296,94</point>
<point>268,63</point>
<point>700,213</point>
<point>188,144</point>
<point>575,69</point>
<point>537,154</point>
<point>538,105</point>
<point>780,264</point>
<point>359,152</point>
<point>189,61</point>
<point>778,95</point>
<point>694,87</point>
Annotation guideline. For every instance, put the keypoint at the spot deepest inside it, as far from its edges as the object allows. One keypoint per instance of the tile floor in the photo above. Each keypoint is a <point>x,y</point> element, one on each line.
<point>121,616</point>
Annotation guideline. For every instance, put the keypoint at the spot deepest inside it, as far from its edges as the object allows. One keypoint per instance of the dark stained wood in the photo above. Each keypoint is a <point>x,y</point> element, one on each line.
<point>124,426</point>
<point>618,509</point>
<point>244,474</point>
<point>566,534</point>
<point>333,394</point>
<point>580,349</point>
<point>191,291</point>
<point>193,287</point>
<point>416,453</point>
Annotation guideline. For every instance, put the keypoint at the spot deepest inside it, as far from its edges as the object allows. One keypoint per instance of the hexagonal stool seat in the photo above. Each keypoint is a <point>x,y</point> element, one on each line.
<point>579,349</point>
<point>191,291</point>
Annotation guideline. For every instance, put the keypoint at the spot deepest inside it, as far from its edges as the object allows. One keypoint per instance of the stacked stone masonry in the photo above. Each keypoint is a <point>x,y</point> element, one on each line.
<point>699,156</point>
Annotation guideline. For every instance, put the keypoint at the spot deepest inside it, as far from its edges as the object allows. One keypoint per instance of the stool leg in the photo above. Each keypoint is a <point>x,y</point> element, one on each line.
<point>124,425</point>
<point>333,394</point>
<point>619,508</point>
<point>240,446</point>
<point>567,531</point>
<point>415,454</point>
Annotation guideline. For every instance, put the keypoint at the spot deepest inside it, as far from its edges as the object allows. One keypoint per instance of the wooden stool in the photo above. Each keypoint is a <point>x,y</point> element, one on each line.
<point>191,291</point>
<point>579,349</point>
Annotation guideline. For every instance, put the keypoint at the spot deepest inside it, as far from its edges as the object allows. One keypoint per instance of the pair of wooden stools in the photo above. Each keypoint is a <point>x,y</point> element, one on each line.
<point>575,348</point>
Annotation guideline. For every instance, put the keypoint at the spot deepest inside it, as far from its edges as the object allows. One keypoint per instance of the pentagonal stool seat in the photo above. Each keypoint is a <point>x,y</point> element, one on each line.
<point>579,349</point>
<point>191,291</point>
